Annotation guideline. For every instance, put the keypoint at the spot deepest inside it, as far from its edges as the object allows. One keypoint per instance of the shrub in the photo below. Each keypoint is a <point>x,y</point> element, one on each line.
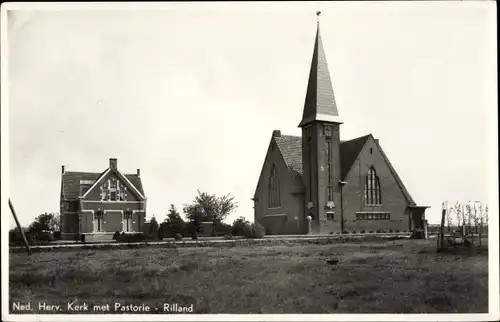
<point>228,237</point>
<point>379,231</point>
<point>116,235</point>
<point>130,237</point>
<point>397,230</point>
<point>371,231</point>
<point>331,233</point>
<point>57,235</point>
<point>345,232</point>
<point>242,227</point>
<point>390,230</point>
<point>363,231</point>
<point>178,236</point>
<point>258,230</point>
<point>354,231</point>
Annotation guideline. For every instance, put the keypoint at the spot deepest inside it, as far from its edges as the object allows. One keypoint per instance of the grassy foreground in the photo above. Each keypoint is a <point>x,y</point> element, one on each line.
<point>401,276</point>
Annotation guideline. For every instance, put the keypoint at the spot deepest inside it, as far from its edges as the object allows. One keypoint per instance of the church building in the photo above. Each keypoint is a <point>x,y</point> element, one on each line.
<point>317,183</point>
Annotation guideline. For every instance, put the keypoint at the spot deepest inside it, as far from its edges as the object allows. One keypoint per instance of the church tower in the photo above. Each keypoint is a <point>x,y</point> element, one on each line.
<point>321,145</point>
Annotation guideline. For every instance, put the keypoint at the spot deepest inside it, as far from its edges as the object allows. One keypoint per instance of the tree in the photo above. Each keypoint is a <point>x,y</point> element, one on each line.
<point>457,209</point>
<point>209,207</point>
<point>449,218</point>
<point>173,223</point>
<point>153,227</point>
<point>46,221</point>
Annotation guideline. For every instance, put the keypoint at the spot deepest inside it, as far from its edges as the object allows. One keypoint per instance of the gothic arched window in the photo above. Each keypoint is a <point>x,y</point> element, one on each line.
<point>373,195</point>
<point>274,189</point>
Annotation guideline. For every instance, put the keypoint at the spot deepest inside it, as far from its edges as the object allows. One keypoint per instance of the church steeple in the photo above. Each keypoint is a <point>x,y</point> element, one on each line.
<point>321,144</point>
<point>320,102</point>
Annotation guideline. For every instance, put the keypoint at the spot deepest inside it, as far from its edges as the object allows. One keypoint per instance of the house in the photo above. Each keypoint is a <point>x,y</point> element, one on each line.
<point>99,204</point>
<point>317,183</point>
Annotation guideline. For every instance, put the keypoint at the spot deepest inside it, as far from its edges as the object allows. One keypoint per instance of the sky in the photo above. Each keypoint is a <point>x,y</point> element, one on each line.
<point>191,92</point>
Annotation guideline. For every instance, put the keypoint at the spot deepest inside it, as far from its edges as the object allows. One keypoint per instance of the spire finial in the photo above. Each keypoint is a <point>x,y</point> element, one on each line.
<point>317,15</point>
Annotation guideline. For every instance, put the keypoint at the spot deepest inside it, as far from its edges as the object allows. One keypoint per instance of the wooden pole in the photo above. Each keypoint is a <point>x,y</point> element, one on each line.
<point>19,227</point>
<point>441,230</point>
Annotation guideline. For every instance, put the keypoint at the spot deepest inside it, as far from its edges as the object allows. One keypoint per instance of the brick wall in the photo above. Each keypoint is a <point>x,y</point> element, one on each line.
<point>69,222</point>
<point>291,204</point>
<point>86,222</point>
<point>393,200</point>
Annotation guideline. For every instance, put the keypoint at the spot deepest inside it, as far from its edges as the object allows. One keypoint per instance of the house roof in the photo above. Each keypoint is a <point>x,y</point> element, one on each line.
<point>71,182</point>
<point>291,149</point>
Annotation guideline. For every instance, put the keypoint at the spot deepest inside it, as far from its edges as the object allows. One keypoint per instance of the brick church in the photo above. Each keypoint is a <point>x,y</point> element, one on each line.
<point>317,183</point>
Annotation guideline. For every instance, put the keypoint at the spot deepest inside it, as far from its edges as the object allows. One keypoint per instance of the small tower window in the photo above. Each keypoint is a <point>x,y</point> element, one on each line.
<point>371,150</point>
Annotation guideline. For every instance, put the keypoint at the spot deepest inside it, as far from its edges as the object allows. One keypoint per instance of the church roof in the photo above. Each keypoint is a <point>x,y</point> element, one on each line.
<point>71,182</point>
<point>291,150</point>
<point>320,102</point>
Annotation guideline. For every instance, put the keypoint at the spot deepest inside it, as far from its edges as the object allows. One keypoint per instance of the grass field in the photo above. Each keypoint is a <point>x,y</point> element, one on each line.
<point>401,276</point>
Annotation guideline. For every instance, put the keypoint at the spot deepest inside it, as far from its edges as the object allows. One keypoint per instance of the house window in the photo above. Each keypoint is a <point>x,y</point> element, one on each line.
<point>127,221</point>
<point>98,221</point>
<point>123,194</point>
<point>113,190</point>
<point>274,189</point>
<point>373,194</point>
<point>330,215</point>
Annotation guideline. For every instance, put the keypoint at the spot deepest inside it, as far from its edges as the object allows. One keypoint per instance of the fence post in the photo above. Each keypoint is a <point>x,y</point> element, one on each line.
<point>19,227</point>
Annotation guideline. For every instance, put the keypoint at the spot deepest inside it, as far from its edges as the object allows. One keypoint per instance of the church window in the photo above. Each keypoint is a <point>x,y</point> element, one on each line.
<point>329,168</point>
<point>371,150</point>
<point>309,149</point>
<point>373,195</point>
<point>274,189</point>
<point>373,216</point>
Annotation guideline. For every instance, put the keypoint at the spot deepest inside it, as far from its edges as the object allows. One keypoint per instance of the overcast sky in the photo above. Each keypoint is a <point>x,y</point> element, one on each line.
<point>191,94</point>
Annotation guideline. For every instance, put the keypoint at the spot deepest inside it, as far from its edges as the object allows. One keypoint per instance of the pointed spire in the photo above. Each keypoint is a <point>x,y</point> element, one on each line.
<point>320,102</point>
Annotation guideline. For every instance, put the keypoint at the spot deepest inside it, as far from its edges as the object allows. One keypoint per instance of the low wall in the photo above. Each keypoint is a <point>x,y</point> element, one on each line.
<point>215,243</point>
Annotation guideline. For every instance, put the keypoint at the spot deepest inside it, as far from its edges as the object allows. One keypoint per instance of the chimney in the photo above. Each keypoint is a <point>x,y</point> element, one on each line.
<point>62,168</point>
<point>138,172</point>
<point>276,133</point>
<point>113,163</point>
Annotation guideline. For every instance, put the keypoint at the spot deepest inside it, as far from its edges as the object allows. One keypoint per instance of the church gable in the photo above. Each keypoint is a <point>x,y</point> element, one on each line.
<point>275,173</point>
<point>375,176</point>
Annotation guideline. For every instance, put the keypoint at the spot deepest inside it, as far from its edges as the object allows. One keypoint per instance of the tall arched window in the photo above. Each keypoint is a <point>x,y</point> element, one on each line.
<point>373,195</point>
<point>274,189</point>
